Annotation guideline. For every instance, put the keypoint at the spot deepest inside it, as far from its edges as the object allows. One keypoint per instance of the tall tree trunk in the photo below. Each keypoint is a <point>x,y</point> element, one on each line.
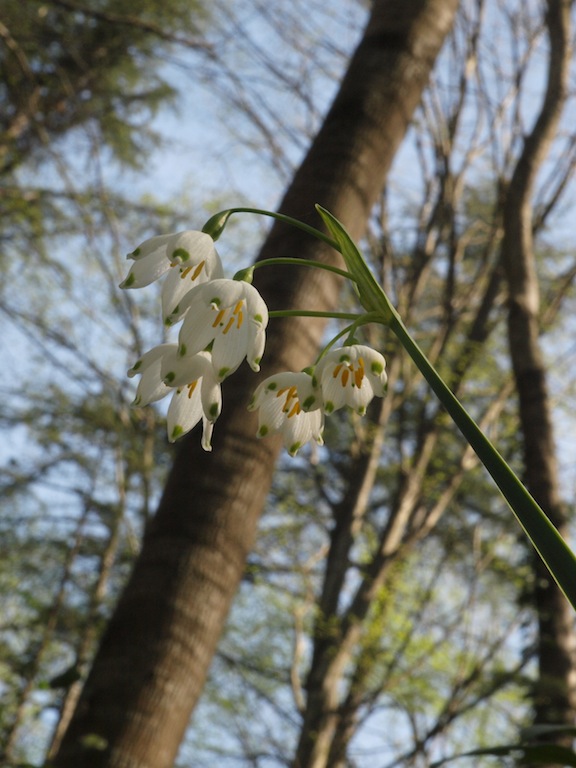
<point>555,690</point>
<point>156,652</point>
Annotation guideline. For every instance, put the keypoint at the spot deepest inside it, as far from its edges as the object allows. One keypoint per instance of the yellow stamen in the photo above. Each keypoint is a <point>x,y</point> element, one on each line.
<point>237,317</point>
<point>295,410</point>
<point>238,312</point>
<point>219,317</point>
<point>345,369</point>
<point>198,269</point>
<point>191,387</point>
<point>359,374</point>
<point>184,272</point>
<point>288,408</point>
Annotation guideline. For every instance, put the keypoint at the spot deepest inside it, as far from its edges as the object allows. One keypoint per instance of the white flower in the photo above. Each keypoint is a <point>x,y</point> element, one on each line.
<point>196,391</point>
<point>192,256</point>
<point>289,404</point>
<point>229,315</point>
<point>351,376</point>
<point>151,387</point>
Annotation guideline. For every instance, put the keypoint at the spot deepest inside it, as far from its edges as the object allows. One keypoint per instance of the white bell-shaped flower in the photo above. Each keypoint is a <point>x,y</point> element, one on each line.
<point>190,256</point>
<point>288,403</point>
<point>196,392</point>
<point>351,376</point>
<point>228,315</point>
<point>151,387</point>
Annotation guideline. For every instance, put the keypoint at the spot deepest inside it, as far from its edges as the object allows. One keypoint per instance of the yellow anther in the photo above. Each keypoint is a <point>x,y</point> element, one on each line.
<point>343,370</point>
<point>198,269</point>
<point>191,387</point>
<point>359,373</point>
<point>295,410</point>
<point>291,394</point>
<point>184,272</point>
<point>219,317</point>
<point>239,313</point>
<point>236,317</point>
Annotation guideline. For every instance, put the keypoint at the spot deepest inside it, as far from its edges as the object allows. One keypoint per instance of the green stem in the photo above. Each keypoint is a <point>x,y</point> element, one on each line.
<point>559,558</point>
<point>312,313</point>
<point>216,223</point>
<point>556,554</point>
<point>348,331</point>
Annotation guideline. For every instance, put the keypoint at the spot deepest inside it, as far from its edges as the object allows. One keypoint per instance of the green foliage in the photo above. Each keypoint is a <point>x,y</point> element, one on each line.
<point>92,64</point>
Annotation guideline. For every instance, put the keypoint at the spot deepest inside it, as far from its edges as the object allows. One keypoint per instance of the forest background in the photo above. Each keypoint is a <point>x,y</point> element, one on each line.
<point>389,611</point>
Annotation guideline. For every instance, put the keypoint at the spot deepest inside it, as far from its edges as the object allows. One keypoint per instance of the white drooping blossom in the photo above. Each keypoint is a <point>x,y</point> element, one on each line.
<point>190,257</point>
<point>224,322</point>
<point>288,403</point>
<point>151,386</point>
<point>231,317</point>
<point>351,376</point>
<point>196,392</point>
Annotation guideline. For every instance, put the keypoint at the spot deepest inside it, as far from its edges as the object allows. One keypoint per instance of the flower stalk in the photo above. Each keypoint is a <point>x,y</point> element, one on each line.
<point>556,554</point>
<point>224,322</point>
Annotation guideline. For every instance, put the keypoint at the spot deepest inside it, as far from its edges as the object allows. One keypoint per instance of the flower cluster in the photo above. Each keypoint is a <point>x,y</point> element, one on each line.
<point>223,322</point>
<point>295,404</point>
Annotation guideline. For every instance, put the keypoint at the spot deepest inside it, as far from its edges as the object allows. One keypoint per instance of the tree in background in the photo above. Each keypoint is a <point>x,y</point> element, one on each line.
<point>555,689</point>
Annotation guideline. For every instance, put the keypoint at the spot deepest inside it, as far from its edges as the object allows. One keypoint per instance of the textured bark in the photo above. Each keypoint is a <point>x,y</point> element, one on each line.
<point>156,652</point>
<point>555,691</point>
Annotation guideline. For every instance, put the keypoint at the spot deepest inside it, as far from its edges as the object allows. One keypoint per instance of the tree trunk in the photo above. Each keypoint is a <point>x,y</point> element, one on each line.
<point>555,690</point>
<point>156,652</point>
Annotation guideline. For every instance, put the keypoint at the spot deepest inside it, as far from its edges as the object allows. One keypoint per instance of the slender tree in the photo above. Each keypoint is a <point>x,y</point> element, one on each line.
<point>555,689</point>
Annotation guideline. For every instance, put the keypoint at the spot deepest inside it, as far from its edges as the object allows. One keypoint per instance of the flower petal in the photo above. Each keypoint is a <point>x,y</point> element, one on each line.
<point>184,412</point>
<point>178,370</point>
<point>155,256</point>
<point>155,244</point>
<point>194,261</point>
<point>151,386</point>
<point>256,349</point>
<point>145,270</point>
<point>197,395</point>
<point>303,428</point>
<point>191,248</point>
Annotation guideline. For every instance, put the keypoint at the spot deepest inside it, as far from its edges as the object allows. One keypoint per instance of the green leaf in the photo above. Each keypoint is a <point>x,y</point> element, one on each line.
<point>371,295</point>
<point>556,554</point>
